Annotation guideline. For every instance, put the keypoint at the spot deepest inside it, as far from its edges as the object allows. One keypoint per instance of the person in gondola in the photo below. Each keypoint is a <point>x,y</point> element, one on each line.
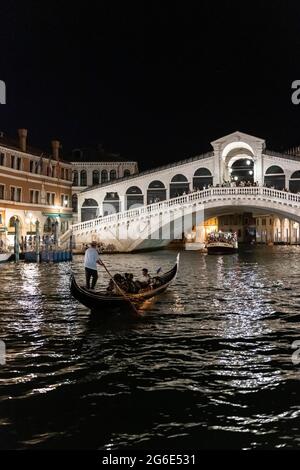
<point>91,260</point>
<point>156,282</point>
<point>111,287</point>
<point>131,285</point>
<point>144,281</point>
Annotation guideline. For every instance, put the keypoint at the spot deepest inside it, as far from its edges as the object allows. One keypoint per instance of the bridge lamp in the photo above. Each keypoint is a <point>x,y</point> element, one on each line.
<point>248,162</point>
<point>250,172</point>
<point>236,178</point>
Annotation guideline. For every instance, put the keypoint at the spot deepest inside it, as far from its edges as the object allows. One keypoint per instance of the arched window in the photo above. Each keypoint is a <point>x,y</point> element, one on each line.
<point>89,210</point>
<point>179,185</point>
<point>134,197</point>
<point>126,173</point>
<point>156,185</point>
<point>49,225</point>
<point>83,178</point>
<point>156,192</point>
<point>104,176</point>
<point>242,170</point>
<point>274,170</point>
<point>295,182</point>
<point>96,177</point>
<point>202,177</point>
<point>113,175</point>
<point>12,221</point>
<point>111,203</point>
<point>275,177</point>
<point>75,203</point>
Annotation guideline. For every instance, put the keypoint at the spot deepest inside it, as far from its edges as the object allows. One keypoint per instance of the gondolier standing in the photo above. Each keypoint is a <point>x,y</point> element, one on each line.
<point>91,259</point>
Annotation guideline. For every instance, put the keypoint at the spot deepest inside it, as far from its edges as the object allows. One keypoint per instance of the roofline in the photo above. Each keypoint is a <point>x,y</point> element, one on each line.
<point>287,156</point>
<point>222,139</point>
<point>29,154</point>
<point>152,170</point>
<point>104,161</point>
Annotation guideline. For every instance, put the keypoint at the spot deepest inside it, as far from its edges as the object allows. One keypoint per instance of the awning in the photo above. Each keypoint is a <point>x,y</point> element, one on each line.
<point>55,214</point>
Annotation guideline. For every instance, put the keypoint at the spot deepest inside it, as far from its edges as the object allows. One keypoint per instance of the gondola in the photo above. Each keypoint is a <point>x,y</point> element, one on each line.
<point>102,303</point>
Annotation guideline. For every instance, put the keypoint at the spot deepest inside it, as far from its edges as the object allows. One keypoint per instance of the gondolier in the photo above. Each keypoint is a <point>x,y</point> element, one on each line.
<point>91,259</point>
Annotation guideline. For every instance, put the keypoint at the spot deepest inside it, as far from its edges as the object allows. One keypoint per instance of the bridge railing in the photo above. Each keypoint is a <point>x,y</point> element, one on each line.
<point>203,195</point>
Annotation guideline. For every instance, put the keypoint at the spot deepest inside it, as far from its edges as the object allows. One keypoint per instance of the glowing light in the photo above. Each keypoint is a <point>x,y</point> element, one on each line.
<point>250,172</point>
<point>248,162</point>
<point>236,178</point>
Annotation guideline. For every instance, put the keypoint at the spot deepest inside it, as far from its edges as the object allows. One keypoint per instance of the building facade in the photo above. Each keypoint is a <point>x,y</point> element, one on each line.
<point>92,167</point>
<point>34,186</point>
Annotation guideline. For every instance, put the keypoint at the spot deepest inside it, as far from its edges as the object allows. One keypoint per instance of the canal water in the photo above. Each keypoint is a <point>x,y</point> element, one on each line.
<point>209,366</point>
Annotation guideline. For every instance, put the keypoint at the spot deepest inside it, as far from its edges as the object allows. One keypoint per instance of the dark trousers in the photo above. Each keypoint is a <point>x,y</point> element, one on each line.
<point>91,273</point>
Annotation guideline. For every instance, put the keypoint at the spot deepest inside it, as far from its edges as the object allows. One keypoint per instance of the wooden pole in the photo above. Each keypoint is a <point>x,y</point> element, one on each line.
<point>37,241</point>
<point>17,244</point>
<point>120,290</point>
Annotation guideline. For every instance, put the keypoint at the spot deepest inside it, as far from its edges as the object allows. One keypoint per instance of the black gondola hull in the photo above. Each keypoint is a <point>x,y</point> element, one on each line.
<point>117,304</point>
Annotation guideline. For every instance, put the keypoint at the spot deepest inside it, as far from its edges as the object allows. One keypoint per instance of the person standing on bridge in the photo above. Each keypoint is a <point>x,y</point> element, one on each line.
<point>91,259</point>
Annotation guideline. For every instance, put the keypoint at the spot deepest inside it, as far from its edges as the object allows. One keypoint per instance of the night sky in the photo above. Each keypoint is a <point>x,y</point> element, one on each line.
<point>154,83</point>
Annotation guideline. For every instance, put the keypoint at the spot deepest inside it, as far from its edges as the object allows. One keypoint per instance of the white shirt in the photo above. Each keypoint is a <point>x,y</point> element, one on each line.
<point>144,278</point>
<point>90,258</point>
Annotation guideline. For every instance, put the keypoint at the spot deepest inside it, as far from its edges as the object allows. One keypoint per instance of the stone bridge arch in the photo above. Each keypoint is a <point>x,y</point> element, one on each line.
<point>160,232</point>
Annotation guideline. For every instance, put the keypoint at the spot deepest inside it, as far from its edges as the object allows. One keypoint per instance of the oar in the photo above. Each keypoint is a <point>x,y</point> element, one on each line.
<point>119,289</point>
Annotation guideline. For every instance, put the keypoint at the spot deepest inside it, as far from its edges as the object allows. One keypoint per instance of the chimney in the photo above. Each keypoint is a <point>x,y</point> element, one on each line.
<point>55,149</point>
<point>22,139</point>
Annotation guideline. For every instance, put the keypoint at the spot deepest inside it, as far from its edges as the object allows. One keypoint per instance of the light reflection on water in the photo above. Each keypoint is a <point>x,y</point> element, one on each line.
<point>208,366</point>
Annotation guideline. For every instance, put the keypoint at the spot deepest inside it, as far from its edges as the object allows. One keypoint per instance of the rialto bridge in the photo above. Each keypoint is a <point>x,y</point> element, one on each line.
<point>239,178</point>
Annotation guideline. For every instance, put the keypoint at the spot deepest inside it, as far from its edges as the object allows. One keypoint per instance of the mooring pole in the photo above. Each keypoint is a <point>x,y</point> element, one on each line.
<point>71,246</point>
<point>17,244</point>
<point>37,240</point>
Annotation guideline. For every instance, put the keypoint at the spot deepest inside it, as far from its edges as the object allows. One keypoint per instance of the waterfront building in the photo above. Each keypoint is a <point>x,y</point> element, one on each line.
<point>94,166</point>
<point>34,186</point>
<point>240,182</point>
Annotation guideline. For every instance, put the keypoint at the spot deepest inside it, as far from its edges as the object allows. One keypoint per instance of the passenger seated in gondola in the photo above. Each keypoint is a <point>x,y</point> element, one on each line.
<point>156,282</point>
<point>131,287</point>
<point>144,281</point>
<point>111,287</point>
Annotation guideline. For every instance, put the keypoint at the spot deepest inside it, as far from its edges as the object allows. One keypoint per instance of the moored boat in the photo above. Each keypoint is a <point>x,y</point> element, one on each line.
<point>222,243</point>
<point>5,257</point>
<point>103,303</point>
<point>195,246</point>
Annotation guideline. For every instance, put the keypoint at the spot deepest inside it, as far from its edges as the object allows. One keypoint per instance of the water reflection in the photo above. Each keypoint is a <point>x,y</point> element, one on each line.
<point>209,364</point>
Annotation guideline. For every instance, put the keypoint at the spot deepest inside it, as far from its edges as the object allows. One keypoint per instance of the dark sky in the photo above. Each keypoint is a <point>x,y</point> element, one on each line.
<point>155,83</point>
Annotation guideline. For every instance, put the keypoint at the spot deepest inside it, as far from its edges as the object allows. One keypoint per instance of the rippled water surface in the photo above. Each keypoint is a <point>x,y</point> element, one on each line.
<point>208,366</point>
